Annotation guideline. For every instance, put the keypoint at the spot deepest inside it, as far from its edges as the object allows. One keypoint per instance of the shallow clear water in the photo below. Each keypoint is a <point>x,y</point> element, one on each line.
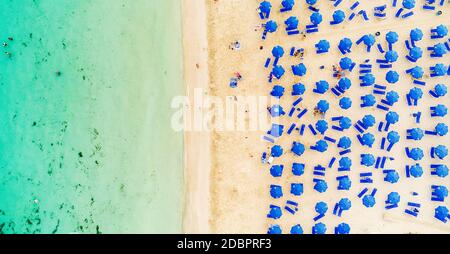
<point>85,138</point>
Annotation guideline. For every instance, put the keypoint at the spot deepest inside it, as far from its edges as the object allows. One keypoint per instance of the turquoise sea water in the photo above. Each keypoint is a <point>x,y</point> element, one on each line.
<point>85,138</point>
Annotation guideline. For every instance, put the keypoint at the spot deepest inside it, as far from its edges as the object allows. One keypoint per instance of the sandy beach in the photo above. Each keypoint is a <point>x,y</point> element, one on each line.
<point>238,182</point>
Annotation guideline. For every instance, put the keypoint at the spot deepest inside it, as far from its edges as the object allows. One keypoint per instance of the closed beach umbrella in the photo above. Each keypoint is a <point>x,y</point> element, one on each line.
<point>409,4</point>
<point>392,97</point>
<point>343,229</point>
<point>275,212</point>
<point>291,23</point>
<point>265,7</point>
<point>299,70</point>
<point>392,77</point>
<point>369,40</point>
<point>415,93</point>
<point>369,201</point>
<point>276,191</point>
<point>322,86</point>
<point>276,151</point>
<point>277,51</point>
<point>297,230</point>
<point>298,169</point>
<point>321,186</point>
<point>368,100</point>
<point>345,44</point>
<point>416,133</point>
<point>277,91</point>
<point>319,229</point>
<point>345,123</point>
<point>391,56</point>
<point>344,183</point>
<point>441,129</point>
<point>321,146</point>
<point>367,160</point>
<point>298,148</point>
<point>296,189</point>
<point>368,79</point>
<point>368,139</point>
<point>345,163</point>
<point>368,120</point>
<point>321,207</point>
<point>415,53</point>
<point>416,34</point>
<point>316,18</point>
<point>274,230</point>
<point>392,177</point>
<point>323,45</point>
<point>298,89</point>
<point>393,198</point>
<point>338,16</point>
<point>441,151</point>
<point>441,213</point>
<point>278,71</point>
<point>322,126</point>
<point>440,69</point>
<point>344,84</point>
<point>441,31</point>
<point>416,154</point>
<point>345,103</point>
<point>442,171</point>
<point>323,106</point>
<point>393,137</point>
<point>276,170</point>
<point>392,117</point>
<point>345,142</point>
<point>391,37</point>
<point>271,26</point>
<point>416,171</point>
<point>346,63</point>
<point>417,72</point>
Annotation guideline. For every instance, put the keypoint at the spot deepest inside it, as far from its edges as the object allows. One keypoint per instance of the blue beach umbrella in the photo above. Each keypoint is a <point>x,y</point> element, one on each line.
<point>415,93</point>
<point>417,72</point>
<point>391,56</point>
<point>345,142</point>
<point>392,97</point>
<point>367,160</point>
<point>345,163</point>
<point>274,230</point>
<point>299,70</point>
<point>392,77</point>
<point>322,126</point>
<point>441,31</point>
<point>441,110</point>
<point>346,63</point>
<point>441,192</point>
<point>345,204</point>
<point>369,201</point>
<point>392,117</point>
<point>321,186</point>
<point>276,191</point>
<point>298,89</point>
<point>416,34</point>
<point>416,154</point>
<point>440,49</point>
<point>288,4</point>
<point>345,103</point>
<point>393,198</point>
<point>416,171</point>
<point>392,177</point>
<point>368,100</point>
<point>297,230</point>
<point>277,91</point>
<point>276,110</point>
<point>409,4</point>
<point>338,16</point>
<point>345,123</point>
<point>316,18</point>
<point>321,146</point>
<point>275,212</point>
<point>319,229</point>
<point>440,69</point>
<point>391,37</point>
<point>323,106</point>
<point>321,207</point>
<point>296,189</point>
<point>368,139</point>
<point>291,23</point>
<point>441,151</point>
<point>416,133</point>
<point>368,120</point>
<point>277,51</point>
<point>276,130</point>
<point>271,26</point>
<point>298,169</point>
<point>276,170</point>
<point>441,129</point>
<point>298,148</point>
<point>415,53</point>
<point>393,137</point>
<point>369,40</point>
<point>322,86</point>
<point>323,45</point>
<point>345,44</point>
<point>265,7</point>
<point>344,84</point>
<point>368,79</point>
<point>343,229</point>
<point>344,183</point>
<point>278,71</point>
<point>442,171</point>
<point>441,213</point>
<point>276,151</point>
<point>311,2</point>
